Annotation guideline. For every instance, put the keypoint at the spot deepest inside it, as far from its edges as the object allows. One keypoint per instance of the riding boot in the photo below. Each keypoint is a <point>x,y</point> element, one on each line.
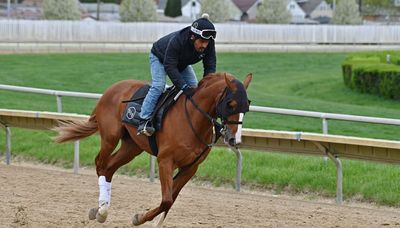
<point>145,128</point>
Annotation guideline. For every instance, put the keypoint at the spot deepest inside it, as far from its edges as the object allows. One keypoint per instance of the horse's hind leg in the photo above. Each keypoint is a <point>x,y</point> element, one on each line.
<point>107,146</point>
<point>125,154</point>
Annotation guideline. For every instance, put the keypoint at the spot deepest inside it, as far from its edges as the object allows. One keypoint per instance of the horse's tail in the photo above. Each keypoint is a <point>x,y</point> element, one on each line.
<point>72,131</point>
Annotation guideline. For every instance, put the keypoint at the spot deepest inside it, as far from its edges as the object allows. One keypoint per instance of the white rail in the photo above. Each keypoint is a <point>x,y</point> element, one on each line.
<point>321,115</point>
<point>325,116</point>
<point>57,93</point>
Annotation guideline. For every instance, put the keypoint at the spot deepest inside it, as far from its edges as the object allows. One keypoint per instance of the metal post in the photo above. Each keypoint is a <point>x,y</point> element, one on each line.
<point>98,10</point>
<point>76,157</point>
<point>339,181</point>
<point>8,9</point>
<point>8,145</point>
<point>59,103</point>
<point>239,160</point>
<point>324,126</point>
<point>339,172</point>
<point>339,178</point>
<point>325,132</point>
<point>152,167</point>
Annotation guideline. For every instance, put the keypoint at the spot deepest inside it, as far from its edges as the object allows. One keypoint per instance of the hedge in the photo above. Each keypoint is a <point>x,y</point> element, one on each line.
<point>370,73</point>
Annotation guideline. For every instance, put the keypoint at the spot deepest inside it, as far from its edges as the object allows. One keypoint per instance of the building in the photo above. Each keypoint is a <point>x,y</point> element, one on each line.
<point>317,10</point>
<point>248,9</point>
<point>191,9</point>
<point>298,14</point>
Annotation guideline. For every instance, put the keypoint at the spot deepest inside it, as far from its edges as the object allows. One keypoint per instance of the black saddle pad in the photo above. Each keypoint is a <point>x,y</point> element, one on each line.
<point>134,106</point>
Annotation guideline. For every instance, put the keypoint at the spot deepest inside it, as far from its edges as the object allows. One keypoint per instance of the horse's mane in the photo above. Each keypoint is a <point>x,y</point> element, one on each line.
<point>213,78</point>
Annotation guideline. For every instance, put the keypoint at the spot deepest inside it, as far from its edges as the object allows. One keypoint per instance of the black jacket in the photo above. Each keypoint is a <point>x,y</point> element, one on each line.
<point>176,51</point>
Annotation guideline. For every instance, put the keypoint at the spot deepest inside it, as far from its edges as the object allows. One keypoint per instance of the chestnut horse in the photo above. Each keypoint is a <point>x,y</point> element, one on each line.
<point>184,141</point>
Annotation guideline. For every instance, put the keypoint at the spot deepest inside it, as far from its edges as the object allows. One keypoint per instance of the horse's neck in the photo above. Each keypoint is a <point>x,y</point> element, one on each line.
<point>206,99</point>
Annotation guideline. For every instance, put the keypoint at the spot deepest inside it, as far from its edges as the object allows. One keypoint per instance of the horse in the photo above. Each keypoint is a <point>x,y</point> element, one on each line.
<point>184,141</point>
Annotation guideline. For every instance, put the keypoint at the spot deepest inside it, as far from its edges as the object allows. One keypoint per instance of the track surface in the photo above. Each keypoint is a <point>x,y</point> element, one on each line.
<point>42,196</point>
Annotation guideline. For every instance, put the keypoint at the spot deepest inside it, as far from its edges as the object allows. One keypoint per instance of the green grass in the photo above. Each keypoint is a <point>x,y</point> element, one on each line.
<point>286,80</point>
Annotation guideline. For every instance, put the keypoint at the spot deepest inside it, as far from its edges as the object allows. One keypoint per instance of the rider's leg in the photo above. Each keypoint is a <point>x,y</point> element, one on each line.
<point>158,77</point>
<point>189,76</point>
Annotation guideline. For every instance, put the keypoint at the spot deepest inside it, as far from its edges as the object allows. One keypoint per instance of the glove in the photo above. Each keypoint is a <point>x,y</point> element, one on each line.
<point>188,91</point>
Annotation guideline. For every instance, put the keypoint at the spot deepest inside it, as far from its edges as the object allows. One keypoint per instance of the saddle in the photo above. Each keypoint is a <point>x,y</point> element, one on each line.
<point>134,106</point>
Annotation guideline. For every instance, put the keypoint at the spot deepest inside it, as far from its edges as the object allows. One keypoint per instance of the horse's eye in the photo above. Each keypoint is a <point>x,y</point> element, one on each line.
<point>232,105</point>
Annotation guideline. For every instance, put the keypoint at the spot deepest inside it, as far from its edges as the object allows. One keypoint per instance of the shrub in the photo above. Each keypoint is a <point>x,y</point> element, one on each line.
<point>273,12</point>
<point>370,73</point>
<point>173,8</point>
<point>61,10</point>
<point>138,10</point>
<point>347,13</point>
<point>219,11</point>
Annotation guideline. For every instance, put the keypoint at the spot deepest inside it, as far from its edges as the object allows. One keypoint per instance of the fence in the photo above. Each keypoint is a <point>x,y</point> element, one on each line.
<point>24,31</point>
<point>297,142</point>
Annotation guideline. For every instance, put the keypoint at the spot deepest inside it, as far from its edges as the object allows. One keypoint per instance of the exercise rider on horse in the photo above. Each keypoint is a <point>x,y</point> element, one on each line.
<point>173,55</point>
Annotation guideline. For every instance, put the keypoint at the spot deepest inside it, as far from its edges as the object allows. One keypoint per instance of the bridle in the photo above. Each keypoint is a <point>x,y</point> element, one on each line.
<point>218,128</point>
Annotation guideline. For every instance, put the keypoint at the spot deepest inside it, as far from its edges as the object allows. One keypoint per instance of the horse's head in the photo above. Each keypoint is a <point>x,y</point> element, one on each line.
<point>231,106</point>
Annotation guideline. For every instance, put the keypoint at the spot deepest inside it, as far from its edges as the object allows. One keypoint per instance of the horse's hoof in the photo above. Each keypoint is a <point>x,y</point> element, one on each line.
<point>102,214</point>
<point>136,220</point>
<point>101,218</point>
<point>92,213</point>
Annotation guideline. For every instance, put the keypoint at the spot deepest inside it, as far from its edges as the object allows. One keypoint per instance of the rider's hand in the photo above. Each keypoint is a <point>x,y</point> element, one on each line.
<point>188,91</point>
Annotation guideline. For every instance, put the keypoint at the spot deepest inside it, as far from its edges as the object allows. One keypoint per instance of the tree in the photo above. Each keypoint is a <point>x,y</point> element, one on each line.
<point>138,10</point>
<point>173,8</point>
<point>346,13</point>
<point>273,12</point>
<point>219,11</point>
<point>61,10</point>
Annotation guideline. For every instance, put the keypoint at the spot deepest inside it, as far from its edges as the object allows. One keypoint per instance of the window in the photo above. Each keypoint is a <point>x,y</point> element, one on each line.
<point>397,3</point>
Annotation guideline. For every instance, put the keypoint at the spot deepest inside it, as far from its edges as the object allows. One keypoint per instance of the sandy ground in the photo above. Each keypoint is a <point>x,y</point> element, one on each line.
<point>43,196</point>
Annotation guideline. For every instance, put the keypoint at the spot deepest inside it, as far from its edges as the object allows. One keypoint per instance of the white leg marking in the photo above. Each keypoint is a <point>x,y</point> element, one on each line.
<point>158,221</point>
<point>104,191</point>
<point>238,135</point>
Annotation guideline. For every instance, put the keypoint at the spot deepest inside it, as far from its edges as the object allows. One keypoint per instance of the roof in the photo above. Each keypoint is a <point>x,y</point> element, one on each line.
<point>244,5</point>
<point>161,4</point>
<point>309,6</point>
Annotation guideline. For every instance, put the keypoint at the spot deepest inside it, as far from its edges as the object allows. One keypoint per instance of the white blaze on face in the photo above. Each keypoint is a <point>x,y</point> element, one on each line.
<point>238,135</point>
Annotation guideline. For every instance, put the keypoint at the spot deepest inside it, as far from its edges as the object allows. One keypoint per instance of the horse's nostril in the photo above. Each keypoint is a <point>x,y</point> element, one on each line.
<point>232,141</point>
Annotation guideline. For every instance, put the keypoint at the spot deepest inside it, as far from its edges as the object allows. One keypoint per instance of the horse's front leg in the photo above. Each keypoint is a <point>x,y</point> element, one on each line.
<point>183,177</point>
<point>180,181</point>
<point>165,172</point>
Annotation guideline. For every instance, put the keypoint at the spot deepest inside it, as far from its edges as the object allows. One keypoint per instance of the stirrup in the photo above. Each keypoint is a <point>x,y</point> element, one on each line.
<point>147,130</point>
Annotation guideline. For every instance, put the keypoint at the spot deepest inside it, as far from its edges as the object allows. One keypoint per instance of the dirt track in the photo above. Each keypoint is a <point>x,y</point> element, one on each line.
<point>38,196</point>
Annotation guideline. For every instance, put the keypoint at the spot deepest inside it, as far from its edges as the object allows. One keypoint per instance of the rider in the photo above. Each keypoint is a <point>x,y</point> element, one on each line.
<point>173,55</point>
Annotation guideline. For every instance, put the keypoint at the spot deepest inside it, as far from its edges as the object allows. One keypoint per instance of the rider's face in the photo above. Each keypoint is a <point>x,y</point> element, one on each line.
<point>200,44</point>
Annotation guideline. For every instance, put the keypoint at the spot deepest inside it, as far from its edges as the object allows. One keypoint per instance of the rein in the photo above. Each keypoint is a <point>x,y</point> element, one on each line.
<point>217,131</point>
<point>217,127</point>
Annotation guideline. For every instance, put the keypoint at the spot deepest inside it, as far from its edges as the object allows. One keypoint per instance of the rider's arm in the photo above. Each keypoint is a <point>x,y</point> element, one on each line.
<point>210,60</point>
<point>171,63</point>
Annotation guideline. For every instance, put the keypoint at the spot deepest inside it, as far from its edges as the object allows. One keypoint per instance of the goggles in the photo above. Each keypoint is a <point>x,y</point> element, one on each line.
<point>205,34</point>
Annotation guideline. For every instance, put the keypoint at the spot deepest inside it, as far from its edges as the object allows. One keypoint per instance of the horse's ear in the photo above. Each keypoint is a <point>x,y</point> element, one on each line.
<point>229,83</point>
<point>247,80</point>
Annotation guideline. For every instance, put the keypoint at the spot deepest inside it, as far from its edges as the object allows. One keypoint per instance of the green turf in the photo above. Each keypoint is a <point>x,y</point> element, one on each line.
<point>303,81</point>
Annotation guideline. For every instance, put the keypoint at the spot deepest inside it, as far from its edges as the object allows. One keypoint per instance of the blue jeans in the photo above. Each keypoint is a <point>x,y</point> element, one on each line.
<point>158,82</point>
